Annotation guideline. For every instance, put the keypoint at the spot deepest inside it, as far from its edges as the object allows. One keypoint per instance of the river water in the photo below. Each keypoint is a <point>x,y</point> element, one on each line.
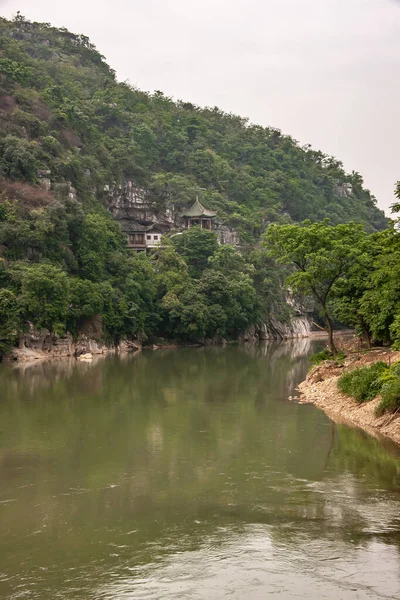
<point>188,475</point>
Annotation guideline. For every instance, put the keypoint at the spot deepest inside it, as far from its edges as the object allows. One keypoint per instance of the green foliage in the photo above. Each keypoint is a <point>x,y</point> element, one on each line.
<point>218,301</point>
<point>318,357</point>
<point>390,401</point>
<point>9,319</point>
<point>19,158</point>
<point>390,392</point>
<point>320,254</point>
<point>364,383</point>
<point>196,246</point>
<point>380,302</point>
<point>99,236</point>
<point>227,259</point>
<point>45,296</point>
<point>17,72</point>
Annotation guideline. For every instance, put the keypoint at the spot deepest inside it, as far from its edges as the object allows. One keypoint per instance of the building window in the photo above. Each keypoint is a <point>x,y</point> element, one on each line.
<point>155,238</point>
<point>149,237</point>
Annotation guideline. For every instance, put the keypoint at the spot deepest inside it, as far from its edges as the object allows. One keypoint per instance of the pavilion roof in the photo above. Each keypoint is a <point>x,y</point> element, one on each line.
<point>198,210</point>
<point>129,226</point>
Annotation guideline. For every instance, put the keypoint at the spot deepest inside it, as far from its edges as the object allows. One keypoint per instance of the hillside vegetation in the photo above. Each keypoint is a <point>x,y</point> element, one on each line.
<point>63,110</point>
<point>65,118</point>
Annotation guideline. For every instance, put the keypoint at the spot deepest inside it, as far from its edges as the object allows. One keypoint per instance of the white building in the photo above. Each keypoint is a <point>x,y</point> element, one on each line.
<point>143,237</point>
<point>153,238</point>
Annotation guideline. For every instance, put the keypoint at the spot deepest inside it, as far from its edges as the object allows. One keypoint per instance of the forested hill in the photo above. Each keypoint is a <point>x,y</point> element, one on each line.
<point>62,110</point>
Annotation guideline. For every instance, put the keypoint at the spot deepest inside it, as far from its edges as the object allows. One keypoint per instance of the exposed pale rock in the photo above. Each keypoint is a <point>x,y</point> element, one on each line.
<point>87,356</point>
<point>40,344</point>
<point>128,346</point>
<point>344,190</point>
<point>299,327</point>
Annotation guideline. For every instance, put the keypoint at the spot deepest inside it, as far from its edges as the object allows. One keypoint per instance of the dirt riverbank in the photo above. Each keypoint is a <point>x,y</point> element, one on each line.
<point>320,388</point>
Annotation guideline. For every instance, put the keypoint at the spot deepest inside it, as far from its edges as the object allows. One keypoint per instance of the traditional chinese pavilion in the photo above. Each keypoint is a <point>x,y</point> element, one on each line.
<point>198,215</point>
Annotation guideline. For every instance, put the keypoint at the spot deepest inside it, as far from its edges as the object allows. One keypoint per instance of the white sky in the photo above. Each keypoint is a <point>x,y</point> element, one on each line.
<point>324,71</point>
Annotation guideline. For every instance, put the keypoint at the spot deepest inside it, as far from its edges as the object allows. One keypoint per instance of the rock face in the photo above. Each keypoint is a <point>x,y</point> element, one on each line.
<point>299,327</point>
<point>130,202</point>
<point>344,190</point>
<point>38,344</point>
<point>226,235</point>
<point>133,207</point>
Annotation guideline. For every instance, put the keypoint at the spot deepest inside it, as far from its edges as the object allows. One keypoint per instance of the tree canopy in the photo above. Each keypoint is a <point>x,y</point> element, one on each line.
<point>321,256</point>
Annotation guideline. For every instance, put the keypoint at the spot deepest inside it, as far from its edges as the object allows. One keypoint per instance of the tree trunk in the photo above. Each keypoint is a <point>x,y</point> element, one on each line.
<point>331,341</point>
<point>366,333</point>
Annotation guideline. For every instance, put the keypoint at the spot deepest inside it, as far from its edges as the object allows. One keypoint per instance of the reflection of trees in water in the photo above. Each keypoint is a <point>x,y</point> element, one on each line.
<point>358,499</point>
<point>356,451</point>
<point>172,446</point>
<point>206,368</point>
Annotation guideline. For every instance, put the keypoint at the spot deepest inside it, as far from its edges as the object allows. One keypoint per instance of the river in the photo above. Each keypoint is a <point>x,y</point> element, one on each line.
<point>188,475</point>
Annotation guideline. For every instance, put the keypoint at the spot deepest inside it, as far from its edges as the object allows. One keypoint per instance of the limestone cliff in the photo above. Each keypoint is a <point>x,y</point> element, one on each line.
<point>298,327</point>
<point>134,207</point>
<point>40,344</point>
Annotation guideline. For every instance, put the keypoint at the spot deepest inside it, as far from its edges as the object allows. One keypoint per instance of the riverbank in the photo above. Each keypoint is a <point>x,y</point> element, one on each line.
<point>42,344</point>
<point>38,344</point>
<point>320,388</point>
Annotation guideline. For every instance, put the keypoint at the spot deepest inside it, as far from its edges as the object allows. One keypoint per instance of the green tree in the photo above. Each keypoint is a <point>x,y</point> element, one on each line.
<point>380,302</point>
<point>10,323</point>
<point>19,158</point>
<point>45,296</point>
<point>196,246</point>
<point>396,206</point>
<point>321,255</point>
<point>99,236</point>
<point>228,260</point>
<point>86,301</point>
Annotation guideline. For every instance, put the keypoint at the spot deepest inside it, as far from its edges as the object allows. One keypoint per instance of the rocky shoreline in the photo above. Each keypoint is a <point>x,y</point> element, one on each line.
<point>320,388</point>
<point>41,344</point>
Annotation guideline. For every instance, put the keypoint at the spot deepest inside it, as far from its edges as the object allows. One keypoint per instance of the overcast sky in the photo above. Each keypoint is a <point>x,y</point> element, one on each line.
<point>324,71</point>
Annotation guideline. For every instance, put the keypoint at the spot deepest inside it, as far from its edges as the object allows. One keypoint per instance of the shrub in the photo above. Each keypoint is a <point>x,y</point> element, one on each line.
<point>18,158</point>
<point>364,383</point>
<point>390,398</point>
<point>395,369</point>
<point>17,72</point>
<point>318,357</point>
<point>50,144</point>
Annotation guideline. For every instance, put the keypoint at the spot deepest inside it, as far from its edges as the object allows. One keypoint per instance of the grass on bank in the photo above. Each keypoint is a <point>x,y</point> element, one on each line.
<point>366,383</point>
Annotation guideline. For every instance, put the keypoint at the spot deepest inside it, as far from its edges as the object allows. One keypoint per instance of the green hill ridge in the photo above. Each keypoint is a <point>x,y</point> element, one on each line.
<point>64,111</point>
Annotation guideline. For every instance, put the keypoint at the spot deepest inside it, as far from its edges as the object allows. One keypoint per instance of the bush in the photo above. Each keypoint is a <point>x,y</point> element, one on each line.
<point>318,357</point>
<point>17,72</point>
<point>364,383</point>
<point>395,369</point>
<point>390,398</point>
<point>18,158</point>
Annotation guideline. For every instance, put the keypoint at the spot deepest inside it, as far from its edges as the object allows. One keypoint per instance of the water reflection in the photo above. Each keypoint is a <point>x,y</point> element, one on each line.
<point>187,474</point>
